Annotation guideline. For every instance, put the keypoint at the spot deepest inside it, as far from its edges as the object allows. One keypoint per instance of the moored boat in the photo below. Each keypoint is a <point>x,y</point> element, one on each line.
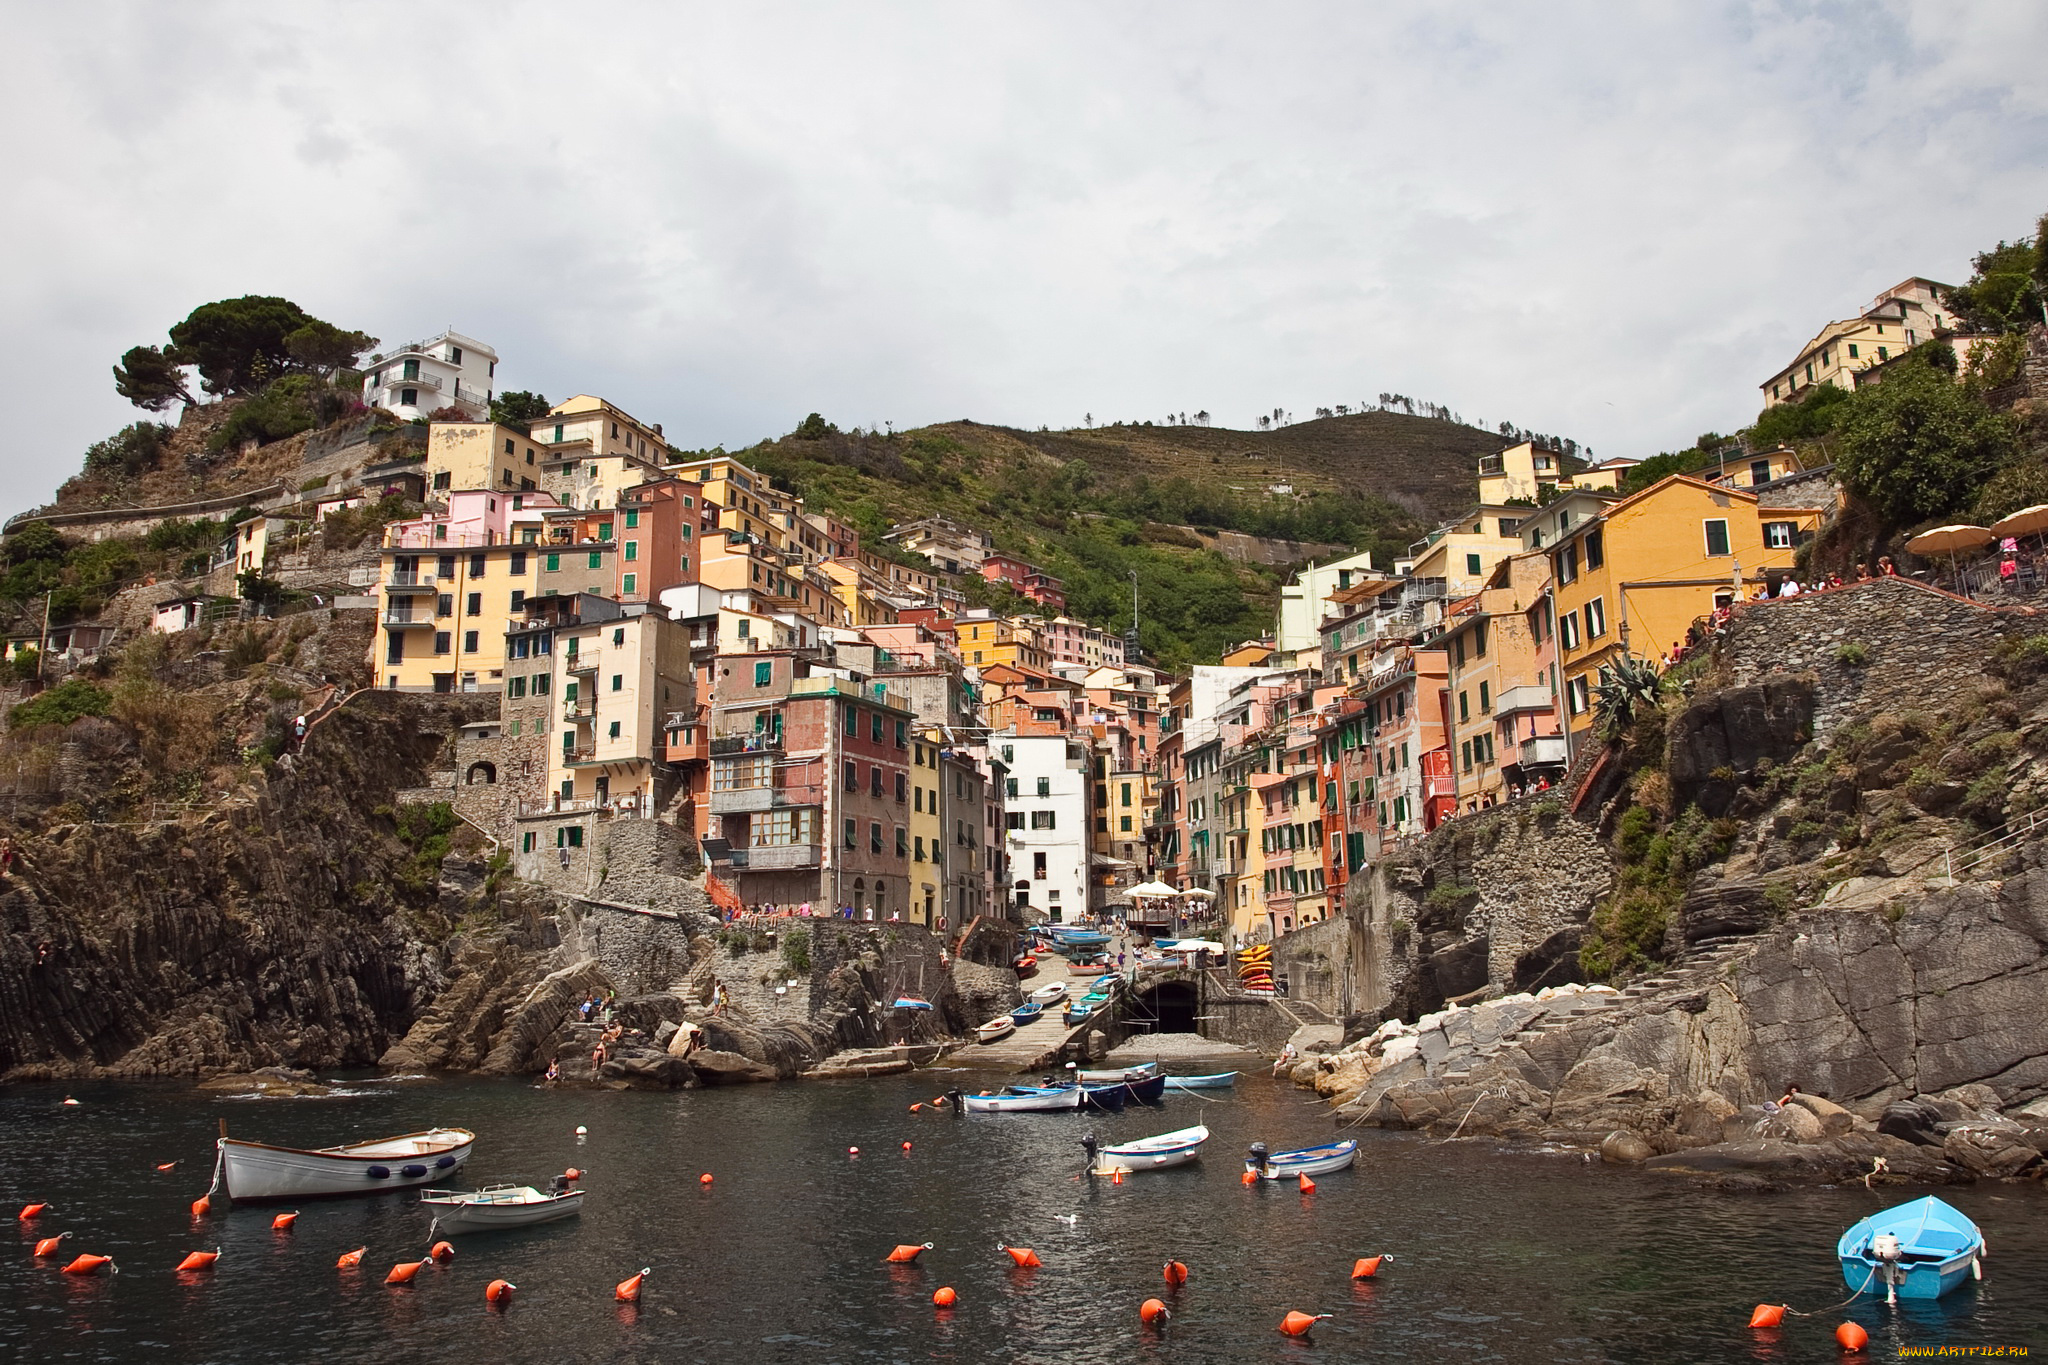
<point>257,1170</point>
<point>1002,1026</point>
<point>1220,1080</point>
<point>1299,1161</point>
<point>1920,1250</point>
<point>1140,1072</point>
<point>1051,993</point>
<point>1032,1101</point>
<point>1026,1013</point>
<point>499,1206</point>
<point>1149,1154</point>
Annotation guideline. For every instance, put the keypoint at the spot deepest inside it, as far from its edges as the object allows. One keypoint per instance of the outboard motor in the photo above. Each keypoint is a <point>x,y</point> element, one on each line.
<point>559,1185</point>
<point>1257,1156</point>
<point>953,1103</point>
<point>1090,1145</point>
<point>1884,1249</point>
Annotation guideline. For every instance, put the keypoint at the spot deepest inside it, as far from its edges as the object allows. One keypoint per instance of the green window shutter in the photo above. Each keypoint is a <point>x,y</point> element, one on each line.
<point>554,563</point>
<point>596,559</point>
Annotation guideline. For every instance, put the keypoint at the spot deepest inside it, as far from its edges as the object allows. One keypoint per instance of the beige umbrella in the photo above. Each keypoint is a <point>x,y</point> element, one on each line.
<point>2025,522</point>
<point>1948,540</point>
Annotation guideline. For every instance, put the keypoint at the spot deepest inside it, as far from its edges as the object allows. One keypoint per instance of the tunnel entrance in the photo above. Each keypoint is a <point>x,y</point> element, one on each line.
<point>1169,1007</point>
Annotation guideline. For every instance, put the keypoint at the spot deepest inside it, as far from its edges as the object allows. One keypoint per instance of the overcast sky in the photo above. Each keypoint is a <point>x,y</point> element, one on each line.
<point>1608,222</point>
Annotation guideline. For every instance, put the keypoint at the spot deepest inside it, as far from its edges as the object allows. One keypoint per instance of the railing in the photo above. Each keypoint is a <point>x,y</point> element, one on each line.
<point>582,661</point>
<point>411,580</point>
<point>402,381</point>
<point>777,857</point>
<point>465,394</point>
<point>395,618</point>
<point>1445,785</point>
<point>1544,749</point>
<point>1971,856</point>
<point>579,710</point>
<point>742,800</point>
<point>730,746</point>
<point>1527,697</point>
<point>586,754</point>
<point>585,805</point>
<point>401,537</point>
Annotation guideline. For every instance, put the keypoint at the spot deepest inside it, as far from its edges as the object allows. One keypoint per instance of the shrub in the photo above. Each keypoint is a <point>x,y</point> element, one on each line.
<point>1852,654</point>
<point>62,704</point>
<point>796,952</point>
<point>127,452</point>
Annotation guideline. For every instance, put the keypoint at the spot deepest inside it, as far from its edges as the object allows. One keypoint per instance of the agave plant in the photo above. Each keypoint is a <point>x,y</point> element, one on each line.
<point>1626,689</point>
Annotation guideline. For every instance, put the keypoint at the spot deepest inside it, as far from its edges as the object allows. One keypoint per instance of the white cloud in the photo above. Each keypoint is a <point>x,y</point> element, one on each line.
<point>1598,223</point>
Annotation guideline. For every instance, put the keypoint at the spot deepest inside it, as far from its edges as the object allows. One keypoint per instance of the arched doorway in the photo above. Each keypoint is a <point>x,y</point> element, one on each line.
<point>1168,1007</point>
<point>486,772</point>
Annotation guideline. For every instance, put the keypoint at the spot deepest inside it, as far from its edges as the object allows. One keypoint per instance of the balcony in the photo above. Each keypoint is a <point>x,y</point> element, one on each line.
<point>1543,749</point>
<point>579,757</point>
<point>777,857</point>
<point>397,620</point>
<point>1530,698</point>
<point>579,711</point>
<point>742,800</point>
<point>415,381</point>
<point>581,661</point>
<point>688,750</point>
<point>731,746</point>
<point>411,582</point>
<point>1445,785</point>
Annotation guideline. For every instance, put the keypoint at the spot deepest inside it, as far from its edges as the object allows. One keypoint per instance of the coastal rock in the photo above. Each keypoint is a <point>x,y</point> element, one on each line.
<point>648,1068</point>
<point>1623,1148</point>
<point>1834,1119</point>
<point>1912,1120</point>
<point>1989,1152</point>
<point>269,1082</point>
<point>1792,1124</point>
<point>716,1067</point>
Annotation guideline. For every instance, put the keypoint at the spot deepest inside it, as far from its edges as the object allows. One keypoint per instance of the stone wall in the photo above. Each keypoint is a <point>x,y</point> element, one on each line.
<point>640,954</point>
<point>846,973</point>
<point>1916,640</point>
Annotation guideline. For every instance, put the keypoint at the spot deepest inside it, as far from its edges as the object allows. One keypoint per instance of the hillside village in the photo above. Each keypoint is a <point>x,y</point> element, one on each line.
<point>671,661</point>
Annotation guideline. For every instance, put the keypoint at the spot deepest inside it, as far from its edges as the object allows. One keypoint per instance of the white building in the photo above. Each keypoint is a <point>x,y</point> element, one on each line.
<point>1304,601</point>
<point>422,377</point>
<point>1045,803</point>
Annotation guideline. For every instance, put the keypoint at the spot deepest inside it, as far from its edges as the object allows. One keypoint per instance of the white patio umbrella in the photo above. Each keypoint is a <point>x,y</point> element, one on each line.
<point>1153,889</point>
<point>1201,891</point>
<point>1948,540</point>
<point>2025,522</point>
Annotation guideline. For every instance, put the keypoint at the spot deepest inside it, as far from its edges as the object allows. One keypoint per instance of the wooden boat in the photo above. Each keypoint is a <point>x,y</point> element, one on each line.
<point>1002,1026</point>
<point>1143,1090</point>
<point>1077,1010</point>
<point>1150,1154</point>
<point>1027,967</point>
<point>911,1002</point>
<point>1920,1250</point>
<point>1029,1101</point>
<point>1330,1156</point>
<point>1050,994</point>
<point>1109,1099</point>
<point>1143,1071</point>
<point>499,1206</point>
<point>1085,968</point>
<point>1026,1013</point>
<point>256,1170</point>
<point>1220,1080</point>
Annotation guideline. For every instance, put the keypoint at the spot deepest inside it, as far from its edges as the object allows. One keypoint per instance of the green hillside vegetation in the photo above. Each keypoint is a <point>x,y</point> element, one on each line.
<point>1093,507</point>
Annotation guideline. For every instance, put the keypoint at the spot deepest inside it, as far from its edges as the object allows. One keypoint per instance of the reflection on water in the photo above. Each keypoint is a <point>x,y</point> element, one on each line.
<point>1511,1257</point>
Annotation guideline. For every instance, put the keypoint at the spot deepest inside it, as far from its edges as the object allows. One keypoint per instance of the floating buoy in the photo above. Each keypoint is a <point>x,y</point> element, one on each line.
<point>498,1291</point>
<point>283,1222</point>
<point>50,1246</point>
<point>1023,1256</point>
<point>906,1146</point>
<point>1248,1178</point>
<point>944,1297</point>
<point>87,1264</point>
<point>68,1100</point>
<point>1152,1312</point>
<point>572,1174</point>
<point>1116,1177</point>
<point>1851,1337</point>
<point>853,1151</point>
<point>704,1179</point>
<point>581,1131</point>
<point>166,1165</point>
<point>905,1254</point>
<point>199,1260</point>
<point>29,1211</point>
<point>1176,1274</point>
<point>1767,1315</point>
<point>1307,1186</point>
<point>403,1272</point>
<point>202,1206</point>
<point>1367,1266</point>
<point>349,1260</point>
<point>628,1290</point>
<point>1298,1324</point>
<point>916,1108</point>
<point>442,1251</point>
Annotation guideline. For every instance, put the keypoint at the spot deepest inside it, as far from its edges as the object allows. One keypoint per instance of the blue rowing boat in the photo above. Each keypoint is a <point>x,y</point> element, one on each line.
<point>1920,1250</point>
<point>1221,1080</point>
<point>1027,1013</point>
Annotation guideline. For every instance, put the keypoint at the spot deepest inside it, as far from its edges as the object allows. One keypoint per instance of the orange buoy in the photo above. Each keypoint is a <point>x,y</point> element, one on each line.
<point>944,1297</point>
<point>1767,1315</point>
<point>853,1151</point>
<point>1366,1267</point>
<point>202,1206</point>
<point>572,1174</point>
<point>442,1251</point>
<point>349,1260</point>
<point>498,1291</point>
<point>1176,1274</point>
<point>166,1165</point>
<point>1851,1337</point>
<point>199,1260</point>
<point>906,1146</point>
<point>1116,1177</point>
<point>50,1246</point>
<point>1152,1312</point>
<point>1023,1256</point>
<point>1248,1179</point>
<point>704,1179</point>
<point>628,1290</point>
<point>1307,1186</point>
<point>1298,1324</point>
<point>29,1211</point>
<point>283,1222</point>
<point>916,1108</point>
<point>87,1264</point>
<point>403,1272</point>
<point>905,1254</point>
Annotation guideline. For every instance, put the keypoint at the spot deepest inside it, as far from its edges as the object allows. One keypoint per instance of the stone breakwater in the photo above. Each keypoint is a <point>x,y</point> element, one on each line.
<point>1917,1028</point>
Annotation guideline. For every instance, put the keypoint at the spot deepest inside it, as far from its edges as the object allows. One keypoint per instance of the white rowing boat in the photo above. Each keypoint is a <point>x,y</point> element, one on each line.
<point>1002,1026</point>
<point>256,1170</point>
<point>499,1206</point>
<point>1149,1154</point>
<point>1036,1102</point>
<point>1144,1071</point>
<point>1050,995</point>
<point>1330,1156</point>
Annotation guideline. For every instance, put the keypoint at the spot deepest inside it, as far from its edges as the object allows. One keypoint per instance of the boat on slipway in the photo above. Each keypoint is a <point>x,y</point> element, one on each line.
<point>1000,1027</point>
<point>258,1170</point>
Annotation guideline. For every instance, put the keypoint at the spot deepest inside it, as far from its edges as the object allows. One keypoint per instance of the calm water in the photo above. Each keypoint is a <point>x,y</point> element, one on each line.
<point>1499,1257</point>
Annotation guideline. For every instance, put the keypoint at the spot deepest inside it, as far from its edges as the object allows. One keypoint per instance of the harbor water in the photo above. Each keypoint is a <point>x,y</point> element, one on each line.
<point>1499,1255</point>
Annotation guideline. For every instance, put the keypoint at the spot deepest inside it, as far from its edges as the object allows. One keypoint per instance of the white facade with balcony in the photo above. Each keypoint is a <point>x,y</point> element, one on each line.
<point>422,377</point>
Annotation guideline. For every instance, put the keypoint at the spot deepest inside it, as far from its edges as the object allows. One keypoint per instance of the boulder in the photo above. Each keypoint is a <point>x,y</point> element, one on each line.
<point>279,1082</point>
<point>1713,909</point>
<point>1911,1121</point>
<point>646,1068</point>
<point>1793,1124</point>
<point>1623,1148</point>
<point>1989,1152</point>
<point>1834,1119</point>
<point>715,1067</point>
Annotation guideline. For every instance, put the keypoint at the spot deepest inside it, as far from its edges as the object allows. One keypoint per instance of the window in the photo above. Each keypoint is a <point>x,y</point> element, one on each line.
<point>615,730</point>
<point>1472,565</point>
<point>1759,472</point>
<point>519,563</point>
<point>903,787</point>
<point>476,604</point>
<point>554,564</point>
<point>920,847</point>
<point>441,641</point>
<point>1576,695</point>
<point>875,727</point>
<point>1568,630</point>
<point>1717,536</point>
<point>764,673</point>
<point>1852,356</point>
<point>1596,618</point>
<point>596,559</point>
<point>902,727</point>
<point>1565,563</point>
<point>1126,823</point>
<point>1013,819</point>
<point>1045,786</point>
<point>1596,549</point>
<point>476,566</point>
<point>629,584</point>
<point>875,780</point>
<point>618,681</point>
<point>632,520</point>
<point>526,844</point>
<point>874,836</point>
<point>903,842</point>
<point>853,834</point>
<point>469,639</point>
<point>1043,819</point>
<point>444,604</point>
<point>1777,535</point>
<point>1464,707</point>
<point>1485,698</point>
<point>853,777</point>
<point>632,550</point>
<point>408,398</point>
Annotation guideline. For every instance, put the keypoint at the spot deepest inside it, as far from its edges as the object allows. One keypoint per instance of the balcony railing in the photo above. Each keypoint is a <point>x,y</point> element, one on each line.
<point>777,857</point>
<point>582,661</point>
<point>395,620</point>
<point>411,582</point>
<point>417,381</point>
<point>1543,749</point>
<point>731,746</point>
<point>1530,697</point>
<point>1433,787</point>
<point>582,712</point>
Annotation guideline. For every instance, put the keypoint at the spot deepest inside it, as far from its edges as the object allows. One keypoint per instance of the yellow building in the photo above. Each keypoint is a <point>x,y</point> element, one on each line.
<point>1737,470</point>
<point>1463,552</point>
<point>748,505</point>
<point>1531,472</point>
<point>1502,680</point>
<point>858,592</point>
<point>450,581</point>
<point>593,451</point>
<point>986,640</point>
<point>1636,577</point>
<point>1902,317</point>
<point>463,455</point>
<point>927,832</point>
<point>616,681</point>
